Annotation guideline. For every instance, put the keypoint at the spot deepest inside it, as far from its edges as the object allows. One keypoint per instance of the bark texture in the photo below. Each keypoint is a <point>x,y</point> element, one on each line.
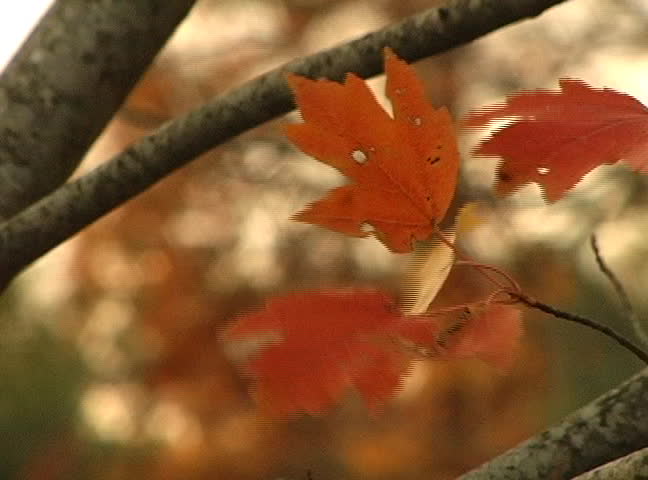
<point>67,81</point>
<point>610,427</point>
<point>634,466</point>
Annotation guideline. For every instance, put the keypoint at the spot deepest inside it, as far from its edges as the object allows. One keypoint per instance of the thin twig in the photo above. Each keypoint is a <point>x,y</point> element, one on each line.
<point>605,330</point>
<point>516,294</point>
<point>484,266</point>
<point>623,295</point>
<point>464,259</point>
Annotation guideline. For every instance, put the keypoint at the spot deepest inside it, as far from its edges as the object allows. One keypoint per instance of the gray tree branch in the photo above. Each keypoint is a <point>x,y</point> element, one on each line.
<point>633,466</point>
<point>610,427</point>
<point>66,82</point>
<point>75,205</point>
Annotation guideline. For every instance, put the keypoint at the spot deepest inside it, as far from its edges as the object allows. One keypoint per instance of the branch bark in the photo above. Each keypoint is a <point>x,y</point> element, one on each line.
<point>634,466</point>
<point>610,427</point>
<point>66,82</point>
<point>74,206</point>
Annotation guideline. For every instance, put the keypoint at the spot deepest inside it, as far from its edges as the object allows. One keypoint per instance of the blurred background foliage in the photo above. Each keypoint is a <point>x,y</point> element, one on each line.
<point>112,364</point>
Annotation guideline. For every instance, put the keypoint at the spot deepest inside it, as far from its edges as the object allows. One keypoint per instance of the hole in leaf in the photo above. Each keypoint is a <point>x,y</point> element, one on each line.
<point>417,121</point>
<point>543,170</point>
<point>359,156</point>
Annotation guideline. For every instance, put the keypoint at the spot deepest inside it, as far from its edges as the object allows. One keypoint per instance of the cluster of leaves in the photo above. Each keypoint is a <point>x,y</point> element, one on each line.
<point>403,171</point>
<point>333,339</point>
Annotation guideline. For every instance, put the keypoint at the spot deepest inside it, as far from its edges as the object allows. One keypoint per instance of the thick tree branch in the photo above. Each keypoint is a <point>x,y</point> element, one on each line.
<point>610,427</point>
<point>72,207</point>
<point>66,82</point>
<point>633,466</point>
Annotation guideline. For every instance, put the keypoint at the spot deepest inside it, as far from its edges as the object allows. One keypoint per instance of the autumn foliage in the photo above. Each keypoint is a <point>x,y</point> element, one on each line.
<point>403,169</point>
<point>558,137</point>
<point>326,341</point>
<point>132,378</point>
<point>404,173</point>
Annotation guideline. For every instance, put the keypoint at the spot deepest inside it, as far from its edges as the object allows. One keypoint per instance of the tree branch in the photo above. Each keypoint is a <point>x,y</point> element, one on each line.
<point>76,205</point>
<point>634,466</point>
<point>610,427</point>
<point>66,82</point>
<point>626,343</point>
<point>636,323</point>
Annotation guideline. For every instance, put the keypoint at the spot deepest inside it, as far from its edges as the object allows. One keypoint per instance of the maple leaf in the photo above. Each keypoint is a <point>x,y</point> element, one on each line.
<point>563,135</point>
<point>330,340</point>
<point>325,346</point>
<point>403,169</point>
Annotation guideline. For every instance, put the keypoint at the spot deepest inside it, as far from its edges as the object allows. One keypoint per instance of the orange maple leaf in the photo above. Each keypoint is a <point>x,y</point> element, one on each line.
<point>330,340</point>
<point>404,169</point>
<point>563,135</point>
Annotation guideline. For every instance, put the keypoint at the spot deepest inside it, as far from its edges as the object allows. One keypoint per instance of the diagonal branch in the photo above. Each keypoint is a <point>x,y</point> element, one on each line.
<point>76,205</point>
<point>634,465</point>
<point>66,82</point>
<point>639,352</point>
<point>610,427</point>
<point>618,287</point>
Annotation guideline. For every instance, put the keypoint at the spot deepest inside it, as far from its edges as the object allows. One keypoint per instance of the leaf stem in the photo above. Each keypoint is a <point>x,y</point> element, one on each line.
<point>515,293</point>
<point>481,267</point>
<point>484,266</point>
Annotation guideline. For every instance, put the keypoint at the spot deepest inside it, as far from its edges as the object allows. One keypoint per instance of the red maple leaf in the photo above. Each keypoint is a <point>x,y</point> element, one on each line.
<point>403,169</point>
<point>563,135</point>
<point>330,340</point>
<point>325,346</point>
<point>491,334</point>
